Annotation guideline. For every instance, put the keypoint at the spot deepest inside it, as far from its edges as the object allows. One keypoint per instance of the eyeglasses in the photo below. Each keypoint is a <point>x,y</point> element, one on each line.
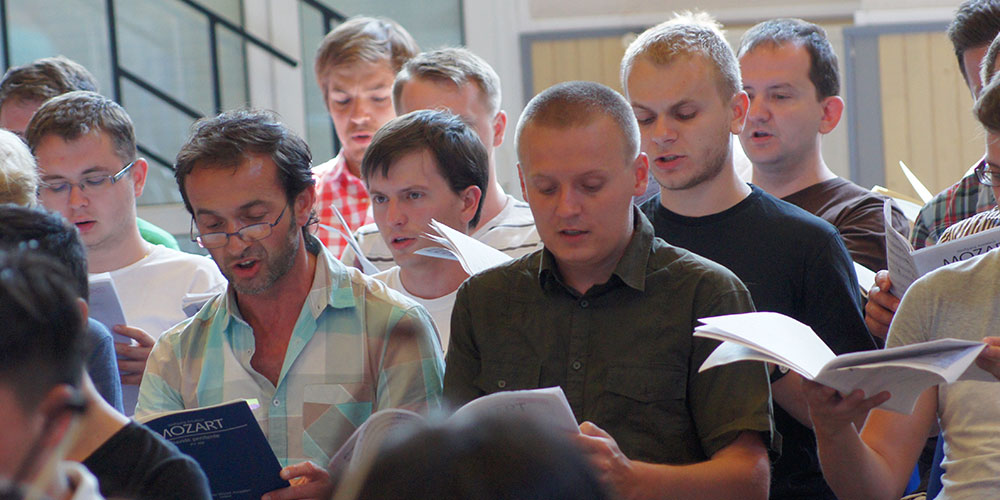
<point>988,173</point>
<point>250,233</point>
<point>93,183</point>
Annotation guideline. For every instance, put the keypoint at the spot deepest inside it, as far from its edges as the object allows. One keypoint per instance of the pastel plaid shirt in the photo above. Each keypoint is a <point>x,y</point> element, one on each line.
<point>357,348</point>
<point>335,184</point>
<point>962,200</point>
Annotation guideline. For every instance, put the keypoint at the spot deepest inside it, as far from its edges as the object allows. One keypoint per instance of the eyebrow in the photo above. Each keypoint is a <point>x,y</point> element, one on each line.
<point>90,170</point>
<point>243,208</point>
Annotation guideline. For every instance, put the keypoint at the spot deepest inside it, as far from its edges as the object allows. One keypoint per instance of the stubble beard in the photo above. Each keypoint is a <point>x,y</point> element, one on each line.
<point>276,267</point>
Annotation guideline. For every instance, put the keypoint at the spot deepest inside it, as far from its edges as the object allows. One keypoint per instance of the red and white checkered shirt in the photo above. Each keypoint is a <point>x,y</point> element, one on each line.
<point>335,184</point>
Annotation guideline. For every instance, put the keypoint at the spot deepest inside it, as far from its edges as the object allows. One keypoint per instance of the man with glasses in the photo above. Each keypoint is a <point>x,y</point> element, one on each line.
<point>85,147</point>
<point>320,345</point>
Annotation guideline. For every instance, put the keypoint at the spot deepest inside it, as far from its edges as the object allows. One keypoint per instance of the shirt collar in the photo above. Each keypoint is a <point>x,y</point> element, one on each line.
<point>631,268</point>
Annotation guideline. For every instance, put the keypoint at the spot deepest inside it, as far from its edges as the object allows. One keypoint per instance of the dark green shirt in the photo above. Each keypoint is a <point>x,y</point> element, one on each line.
<point>622,352</point>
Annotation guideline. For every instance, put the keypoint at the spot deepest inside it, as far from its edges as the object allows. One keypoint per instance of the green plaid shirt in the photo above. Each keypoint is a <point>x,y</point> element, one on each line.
<point>962,200</point>
<point>357,348</point>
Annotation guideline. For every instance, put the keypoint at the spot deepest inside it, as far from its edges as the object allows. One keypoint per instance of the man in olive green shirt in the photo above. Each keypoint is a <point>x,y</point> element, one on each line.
<point>606,311</point>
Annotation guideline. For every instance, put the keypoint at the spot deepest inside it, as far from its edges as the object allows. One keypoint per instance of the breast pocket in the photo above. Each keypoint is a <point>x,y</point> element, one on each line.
<point>647,396</point>
<point>330,413</point>
<point>499,376</point>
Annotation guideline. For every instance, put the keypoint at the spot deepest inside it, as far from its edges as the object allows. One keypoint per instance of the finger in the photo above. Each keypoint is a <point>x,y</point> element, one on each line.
<point>133,352</point>
<point>137,334</point>
<point>126,366</point>
<point>591,429</point>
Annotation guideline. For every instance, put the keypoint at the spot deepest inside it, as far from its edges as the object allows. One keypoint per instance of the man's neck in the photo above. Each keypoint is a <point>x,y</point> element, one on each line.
<point>354,167</point>
<point>583,277</point>
<point>112,256</point>
<point>493,202</point>
<point>710,197</point>
<point>432,279</point>
<point>785,180</point>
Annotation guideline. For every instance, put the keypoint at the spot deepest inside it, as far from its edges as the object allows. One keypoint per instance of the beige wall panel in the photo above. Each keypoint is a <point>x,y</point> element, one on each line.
<point>951,107</point>
<point>566,61</point>
<point>895,133</point>
<point>542,66</point>
<point>920,157</point>
<point>590,60</point>
<point>612,50</point>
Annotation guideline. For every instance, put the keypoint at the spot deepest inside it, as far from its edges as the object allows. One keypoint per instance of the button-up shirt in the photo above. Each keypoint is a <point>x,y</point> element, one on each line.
<point>622,352</point>
<point>336,185</point>
<point>356,348</point>
<point>962,200</point>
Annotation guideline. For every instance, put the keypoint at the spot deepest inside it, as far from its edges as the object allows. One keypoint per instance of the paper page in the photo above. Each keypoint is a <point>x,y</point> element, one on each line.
<point>922,191</point>
<point>474,255</point>
<point>866,278</point>
<point>104,305</point>
<point>366,265</point>
<point>731,352</point>
<point>548,405</point>
<point>437,253</point>
<point>788,340</point>
<point>930,258</point>
<point>367,438</point>
<point>902,270</point>
<point>903,383</point>
<point>936,355</point>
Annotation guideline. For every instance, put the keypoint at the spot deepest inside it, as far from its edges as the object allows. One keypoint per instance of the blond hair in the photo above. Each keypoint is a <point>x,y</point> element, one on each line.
<point>18,174</point>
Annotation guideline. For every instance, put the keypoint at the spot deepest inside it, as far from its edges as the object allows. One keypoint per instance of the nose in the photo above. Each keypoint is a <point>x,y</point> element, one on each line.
<point>235,244</point>
<point>360,112</point>
<point>394,215</point>
<point>758,110</point>
<point>664,132</point>
<point>568,204</point>
<point>77,197</point>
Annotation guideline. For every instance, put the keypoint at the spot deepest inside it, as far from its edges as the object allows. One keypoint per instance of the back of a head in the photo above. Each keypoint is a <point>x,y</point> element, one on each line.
<point>37,230</point>
<point>460,156</point>
<point>74,114</point>
<point>823,70</point>
<point>364,39</point>
<point>482,459</point>
<point>685,35</point>
<point>44,79</point>
<point>18,172</point>
<point>41,341</point>
<point>976,23</point>
<point>578,104</point>
<point>227,139</point>
<point>457,65</point>
<point>987,106</point>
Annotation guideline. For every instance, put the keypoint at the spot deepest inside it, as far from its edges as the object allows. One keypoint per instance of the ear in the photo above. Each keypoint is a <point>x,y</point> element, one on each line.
<point>470,197</point>
<point>520,177</point>
<point>833,109</point>
<point>738,106</point>
<point>138,174</point>
<point>84,309</point>
<point>641,167</point>
<point>499,128</point>
<point>303,205</point>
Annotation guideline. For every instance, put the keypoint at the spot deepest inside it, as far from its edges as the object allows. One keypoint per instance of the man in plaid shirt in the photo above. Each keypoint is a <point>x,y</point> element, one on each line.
<point>356,64</point>
<point>320,345</point>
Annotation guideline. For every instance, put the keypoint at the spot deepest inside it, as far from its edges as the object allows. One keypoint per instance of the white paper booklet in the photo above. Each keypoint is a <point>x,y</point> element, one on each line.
<point>366,265</point>
<point>474,255</point>
<point>903,371</point>
<point>105,306</point>
<point>906,265</point>
<point>548,405</point>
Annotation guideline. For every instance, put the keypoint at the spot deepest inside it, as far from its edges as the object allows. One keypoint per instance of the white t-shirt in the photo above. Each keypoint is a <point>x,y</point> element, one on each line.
<point>152,290</point>
<point>960,301</point>
<point>439,308</point>
<point>512,232</point>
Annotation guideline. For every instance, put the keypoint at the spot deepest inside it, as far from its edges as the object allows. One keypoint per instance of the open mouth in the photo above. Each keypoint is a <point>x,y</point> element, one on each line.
<point>757,134</point>
<point>84,225</point>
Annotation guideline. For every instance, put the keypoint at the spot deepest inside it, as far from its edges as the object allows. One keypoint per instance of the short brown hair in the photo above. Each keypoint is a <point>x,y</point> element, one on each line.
<point>687,34</point>
<point>578,104</point>
<point>454,64</point>
<point>976,23</point>
<point>823,71</point>
<point>368,39</point>
<point>73,114</point>
<point>18,173</point>
<point>44,79</point>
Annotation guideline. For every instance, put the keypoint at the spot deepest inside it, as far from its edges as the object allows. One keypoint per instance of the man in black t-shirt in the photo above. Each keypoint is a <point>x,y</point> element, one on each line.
<point>792,262</point>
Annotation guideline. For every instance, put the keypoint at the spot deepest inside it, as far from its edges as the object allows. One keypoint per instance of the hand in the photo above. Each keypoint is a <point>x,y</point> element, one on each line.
<point>131,357</point>
<point>612,466</point>
<point>881,306</point>
<point>308,481</point>
<point>832,413</point>
<point>989,358</point>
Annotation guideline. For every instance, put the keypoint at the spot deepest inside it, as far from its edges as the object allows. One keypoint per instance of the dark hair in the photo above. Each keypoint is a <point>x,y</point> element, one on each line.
<point>44,79</point>
<point>42,336</point>
<point>369,39</point>
<point>73,114</point>
<point>976,24</point>
<point>577,104</point>
<point>38,230</point>
<point>459,153</point>
<point>823,70</point>
<point>492,458</point>
<point>224,141</point>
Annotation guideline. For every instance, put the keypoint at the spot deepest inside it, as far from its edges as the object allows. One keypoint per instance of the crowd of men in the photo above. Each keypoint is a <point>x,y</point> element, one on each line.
<point>608,278</point>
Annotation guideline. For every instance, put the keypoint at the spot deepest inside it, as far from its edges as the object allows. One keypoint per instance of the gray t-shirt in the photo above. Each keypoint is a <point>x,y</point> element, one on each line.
<point>961,301</point>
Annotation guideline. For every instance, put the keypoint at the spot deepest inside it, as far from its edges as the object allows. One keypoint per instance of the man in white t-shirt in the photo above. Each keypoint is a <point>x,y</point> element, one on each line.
<point>85,147</point>
<point>463,83</point>
<point>425,165</point>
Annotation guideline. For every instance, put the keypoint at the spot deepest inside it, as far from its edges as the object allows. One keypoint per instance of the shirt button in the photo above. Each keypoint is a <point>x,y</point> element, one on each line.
<point>577,365</point>
<point>276,402</point>
<point>584,304</point>
<point>501,383</point>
